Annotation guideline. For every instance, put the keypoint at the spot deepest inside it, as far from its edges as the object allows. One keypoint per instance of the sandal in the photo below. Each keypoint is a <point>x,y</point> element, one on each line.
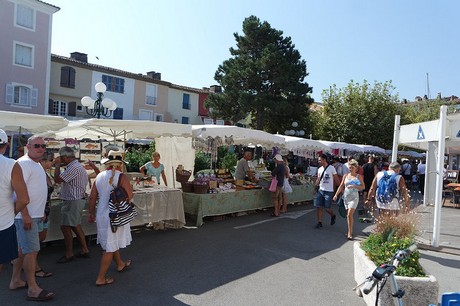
<point>107,281</point>
<point>44,295</point>
<point>126,266</point>
<point>42,274</point>
<point>65,259</point>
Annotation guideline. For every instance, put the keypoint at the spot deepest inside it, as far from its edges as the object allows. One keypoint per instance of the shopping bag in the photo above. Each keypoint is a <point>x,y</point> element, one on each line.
<point>273,185</point>
<point>287,187</point>
<point>342,209</point>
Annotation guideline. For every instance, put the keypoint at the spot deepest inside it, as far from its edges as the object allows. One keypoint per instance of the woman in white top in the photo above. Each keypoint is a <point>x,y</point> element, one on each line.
<point>110,242</point>
<point>351,184</point>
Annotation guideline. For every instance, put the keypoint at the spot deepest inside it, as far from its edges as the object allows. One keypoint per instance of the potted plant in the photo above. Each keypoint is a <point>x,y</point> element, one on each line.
<point>394,233</point>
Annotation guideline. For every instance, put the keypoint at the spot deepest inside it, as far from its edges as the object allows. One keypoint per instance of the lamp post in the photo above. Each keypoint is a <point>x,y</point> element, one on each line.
<point>101,106</point>
<point>293,132</point>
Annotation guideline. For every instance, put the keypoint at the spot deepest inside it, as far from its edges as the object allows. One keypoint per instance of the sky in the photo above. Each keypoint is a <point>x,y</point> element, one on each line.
<point>415,44</point>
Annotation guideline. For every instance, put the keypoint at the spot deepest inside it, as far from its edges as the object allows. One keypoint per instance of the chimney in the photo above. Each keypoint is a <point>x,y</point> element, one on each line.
<point>78,56</point>
<point>215,89</point>
<point>154,75</point>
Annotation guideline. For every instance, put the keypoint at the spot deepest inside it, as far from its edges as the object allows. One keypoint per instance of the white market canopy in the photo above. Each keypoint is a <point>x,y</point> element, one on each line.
<point>32,123</point>
<point>124,129</point>
<point>297,143</point>
<point>240,136</point>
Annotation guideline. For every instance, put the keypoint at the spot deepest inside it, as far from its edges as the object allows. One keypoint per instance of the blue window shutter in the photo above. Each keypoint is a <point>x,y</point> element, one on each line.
<point>34,97</point>
<point>118,113</point>
<point>9,94</point>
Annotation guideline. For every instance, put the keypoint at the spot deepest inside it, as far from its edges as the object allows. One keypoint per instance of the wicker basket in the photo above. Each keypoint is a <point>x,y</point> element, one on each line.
<point>183,176</point>
<point>200,188</point>
<point>187,186</point>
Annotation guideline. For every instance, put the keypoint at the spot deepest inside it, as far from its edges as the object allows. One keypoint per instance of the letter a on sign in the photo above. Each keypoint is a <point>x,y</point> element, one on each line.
<point>420,134</point>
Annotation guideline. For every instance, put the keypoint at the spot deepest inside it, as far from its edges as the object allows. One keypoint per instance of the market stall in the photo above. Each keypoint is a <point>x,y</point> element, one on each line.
<point>173,141</point>
<point>204,205</point>
<point>159,207</point>
<point>17,124</point>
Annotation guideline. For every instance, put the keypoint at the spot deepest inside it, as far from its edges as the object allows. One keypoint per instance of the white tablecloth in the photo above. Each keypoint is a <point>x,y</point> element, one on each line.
<point>157,207</point>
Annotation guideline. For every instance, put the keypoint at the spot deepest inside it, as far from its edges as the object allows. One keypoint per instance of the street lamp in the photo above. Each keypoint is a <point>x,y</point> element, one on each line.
<point>294,132</point>
<point>100,106</point>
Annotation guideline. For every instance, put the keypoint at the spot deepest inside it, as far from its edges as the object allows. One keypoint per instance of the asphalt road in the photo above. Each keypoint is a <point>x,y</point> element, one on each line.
<point>253,259</point>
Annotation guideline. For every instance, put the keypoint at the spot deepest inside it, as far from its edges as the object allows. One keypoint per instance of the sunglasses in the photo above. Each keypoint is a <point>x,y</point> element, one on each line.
<point>36,146</point>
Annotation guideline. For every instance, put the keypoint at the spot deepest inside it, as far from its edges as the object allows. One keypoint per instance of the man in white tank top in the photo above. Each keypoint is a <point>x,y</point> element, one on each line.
<point>11,181</point>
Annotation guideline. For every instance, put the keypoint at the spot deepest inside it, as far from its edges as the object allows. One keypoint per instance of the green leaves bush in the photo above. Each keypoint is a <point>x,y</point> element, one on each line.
<point>391,234</point>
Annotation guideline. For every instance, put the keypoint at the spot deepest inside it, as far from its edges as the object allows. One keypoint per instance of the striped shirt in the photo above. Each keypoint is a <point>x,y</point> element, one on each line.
<point>74,182</point>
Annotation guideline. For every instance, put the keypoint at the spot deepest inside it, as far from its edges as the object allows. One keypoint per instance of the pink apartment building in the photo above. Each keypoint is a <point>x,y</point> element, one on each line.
<point>25,55</point>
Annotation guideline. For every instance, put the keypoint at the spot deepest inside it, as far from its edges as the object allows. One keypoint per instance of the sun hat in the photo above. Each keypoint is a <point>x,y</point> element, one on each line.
<point>3,137</point>
<point>113,157</point>
<point>278,157</point>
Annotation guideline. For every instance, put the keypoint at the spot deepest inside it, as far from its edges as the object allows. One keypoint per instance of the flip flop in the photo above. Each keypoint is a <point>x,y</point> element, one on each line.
<point>273,215</point>
<point>44,295</point>
<point>127,265</point>
<point>42,274</point>
<point>65,259</point>
<point>107,281</point>
<point>83,255</point>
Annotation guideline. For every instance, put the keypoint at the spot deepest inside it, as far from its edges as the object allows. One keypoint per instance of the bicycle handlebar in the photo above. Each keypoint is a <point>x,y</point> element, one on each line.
<point>384,270</point>
<point>369,285</point>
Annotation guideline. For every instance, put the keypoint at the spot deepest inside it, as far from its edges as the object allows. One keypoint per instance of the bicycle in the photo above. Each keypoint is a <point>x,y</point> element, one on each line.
<point>382,273</point>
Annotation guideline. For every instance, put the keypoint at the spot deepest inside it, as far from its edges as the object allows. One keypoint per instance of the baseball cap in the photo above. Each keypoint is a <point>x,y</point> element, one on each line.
<point>3,137</point>
<point>278,157</point>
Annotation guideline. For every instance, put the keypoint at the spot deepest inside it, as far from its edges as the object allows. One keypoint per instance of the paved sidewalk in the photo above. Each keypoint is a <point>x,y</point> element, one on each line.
<point>449,239</point>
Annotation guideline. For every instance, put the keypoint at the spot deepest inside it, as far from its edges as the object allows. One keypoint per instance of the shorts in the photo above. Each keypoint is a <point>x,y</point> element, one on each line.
<point>71,212</point>
<point>28,240</point>
<point>8,245</point>
<point>42,225</point>
<point>323,198</point>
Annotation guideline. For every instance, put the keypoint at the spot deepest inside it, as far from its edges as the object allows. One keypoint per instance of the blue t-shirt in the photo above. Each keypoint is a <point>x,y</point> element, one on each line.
<point>156,172</point>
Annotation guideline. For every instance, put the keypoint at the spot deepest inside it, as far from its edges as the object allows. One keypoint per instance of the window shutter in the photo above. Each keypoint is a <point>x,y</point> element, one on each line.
<point>72,109</point>
<point>65,76</point>
<point>51,107</point>
<point>9,94</point>
<point>34,97</point>
<point>71,77</point>
<point>118,113</point>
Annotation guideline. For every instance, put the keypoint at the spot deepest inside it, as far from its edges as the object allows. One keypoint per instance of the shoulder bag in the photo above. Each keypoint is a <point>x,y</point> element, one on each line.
<point>322,174</point>
<point>121,211</point>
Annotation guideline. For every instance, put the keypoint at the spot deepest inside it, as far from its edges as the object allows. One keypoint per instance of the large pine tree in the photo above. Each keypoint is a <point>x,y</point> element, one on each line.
<point>264,79</point>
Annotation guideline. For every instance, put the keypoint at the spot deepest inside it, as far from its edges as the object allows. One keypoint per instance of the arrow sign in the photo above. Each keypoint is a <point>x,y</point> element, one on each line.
<point>289,215</point>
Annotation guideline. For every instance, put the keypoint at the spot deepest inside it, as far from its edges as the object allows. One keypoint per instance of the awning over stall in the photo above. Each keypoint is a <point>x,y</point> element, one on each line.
<point>237,135</point>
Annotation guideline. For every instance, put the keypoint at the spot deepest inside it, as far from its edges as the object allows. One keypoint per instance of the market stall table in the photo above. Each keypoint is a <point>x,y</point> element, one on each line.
<point>160,207</point>
<point>215,204</point>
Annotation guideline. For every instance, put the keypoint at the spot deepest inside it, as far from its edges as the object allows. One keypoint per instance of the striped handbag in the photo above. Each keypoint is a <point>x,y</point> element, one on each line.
<point>121,211</point>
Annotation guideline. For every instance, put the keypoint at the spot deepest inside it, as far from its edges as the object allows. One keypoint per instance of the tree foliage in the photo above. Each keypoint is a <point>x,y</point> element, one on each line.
<point>264,78</point>
<point>362,114</point>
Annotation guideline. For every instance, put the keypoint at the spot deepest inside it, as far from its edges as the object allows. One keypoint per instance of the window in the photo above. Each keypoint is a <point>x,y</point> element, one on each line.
<point>21,95</point>
<point>149,100</point>
<point>185,120</point>
<point>23,55</point>
<point>186,101</point>
<point>25,17</point>
<point>113,83</point>
<point>158,117</point>
<point>145,114</point>
<point>59,108</point>
<point>67,77</point>
<point>151,95</point>
<point>62,108</point>
<point>118,113</point>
